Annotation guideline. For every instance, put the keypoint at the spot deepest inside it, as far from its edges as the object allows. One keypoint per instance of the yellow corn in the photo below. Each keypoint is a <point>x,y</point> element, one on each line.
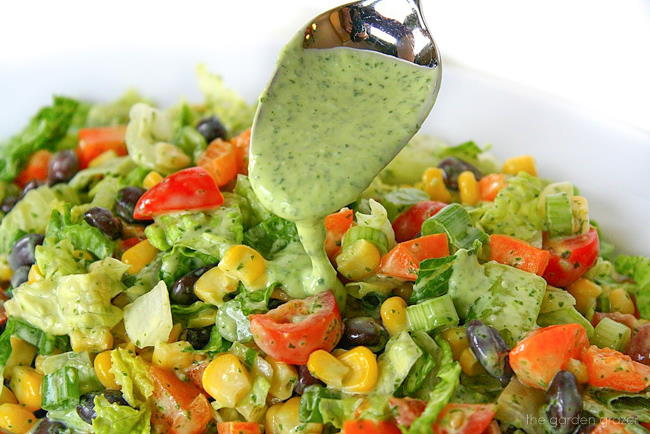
<point>362,377</point>
<point>103,158</point>
<point>213,285</point>
<point>585,292</point>
<point>329,369</point>
<point>139,256</point>
<point>34,274</point>
<point>153,178</point>
<point>580,210</point>
<point>16,419</point>
<point>246,264</point>
<point>284,418</point>
<point>283,379</point>
<point>103,364</point>
<point>620,301</point>
<point>579,369</point>
<point>22,354</point>
<point>82,254</point>
<point>470,193</point>
<point>26,385</point>
<point>177,355</point>
<point>175,332</point>
<point>433,183</point>
<point>7,396</point>
<point>522,163</point>
<point>469,364</point>
<point>358,260</point>
<point>457,339</point>
<point>227,380</point>
<point>91,340</point>
<point>393,315</point>
<point>5,270</point>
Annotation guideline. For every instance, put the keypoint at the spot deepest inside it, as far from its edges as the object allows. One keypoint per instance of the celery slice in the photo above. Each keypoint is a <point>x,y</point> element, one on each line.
<point>559,214</point>
<point>611,334</point>
<point>375,236</point>
<point>431,314</point>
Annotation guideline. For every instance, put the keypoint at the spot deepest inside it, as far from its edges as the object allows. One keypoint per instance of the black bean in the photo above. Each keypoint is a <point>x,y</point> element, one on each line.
<point>8,203</point>
<point>364,331</point>
<point>305,379</point>
<point>63,166</point>
<point>47,426</point>
<point>20,276</point>
<point>275,302</point>
<point>198,337</point>
<point>564,403</point>
<point>127,198</point>
<point>453,167</point>
<point>105,221</point>
<point>490,350</point>
<point>211,128</point>
<point>23,252</point>
<point>182,291</point>
<point>31,185</point>
<point>86,406</point>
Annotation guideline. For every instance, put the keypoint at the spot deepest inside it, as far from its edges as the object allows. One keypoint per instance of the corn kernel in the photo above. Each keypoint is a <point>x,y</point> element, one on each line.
<point>103,363</point>
<point>283,379</point>
<point>213,286</point>
<point>327,368</point>
<point>579,369</point>
<point>469,364</point>
<point>26,385</point>
<point>585,292</point>
<point>246,264</point>
<point>363,374</point>
<point>457,339</point>
<point>359,260</point>
<point>34,274</point>
<point>433,183</point>
<point>16,419</point>
<point>22,354</point>
<point>5,270</point>
<point>152,179</point>
<point>175,332</point>
<point>620,301</point>
<point>103,158</point>
<point>139,256</point>
<point>82,255</point>
<point>470,193</point>
<point>522,163</point>
<point>7,396</point>
<point>580,210</point>
<point>284,418</point>
<point>91,340</point>
<point>177,355</point>
<point>393,315</point>
<point>227,380</point>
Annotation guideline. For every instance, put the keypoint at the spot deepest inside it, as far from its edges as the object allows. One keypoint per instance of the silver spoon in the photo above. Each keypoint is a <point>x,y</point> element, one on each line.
<point>392,27</point>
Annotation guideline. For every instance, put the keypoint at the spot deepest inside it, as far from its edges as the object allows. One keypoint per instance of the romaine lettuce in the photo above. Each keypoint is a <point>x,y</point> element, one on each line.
<point>396,362</point>
<point>58,259</point>
<point>81,235</point>
<point>638,268</point>
<point>148,319</point>
<point>115,112</point>
<point>271,235</point>
<point>117,419</point>
<point>132,374</point>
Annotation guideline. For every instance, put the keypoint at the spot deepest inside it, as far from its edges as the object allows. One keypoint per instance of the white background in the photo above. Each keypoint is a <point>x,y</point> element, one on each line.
<point>595,53</point>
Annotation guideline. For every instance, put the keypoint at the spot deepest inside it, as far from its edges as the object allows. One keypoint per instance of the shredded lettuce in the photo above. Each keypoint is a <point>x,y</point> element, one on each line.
<point>148,319</point>
<point>378,219</point>
<point>613,404</point>
<point>291,268</point>
<point>58,260</point>
<point>271,235</point>
<point>116,167</point>
<point>117,419</point>
<point>88,381</point>
<point>396,362</point>
<point>455,221</point>
<point>638,268</point>
<point>253,211</point>
<point>468,282</point>
<point>115,112</point>
<point>179,261</point>
<point>411,162</point>
<point>132,374</point>
<point>400,200</point>
<point>81,235</point>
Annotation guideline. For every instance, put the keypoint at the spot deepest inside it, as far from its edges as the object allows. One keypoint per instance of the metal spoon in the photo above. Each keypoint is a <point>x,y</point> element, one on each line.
<point>392,27</point>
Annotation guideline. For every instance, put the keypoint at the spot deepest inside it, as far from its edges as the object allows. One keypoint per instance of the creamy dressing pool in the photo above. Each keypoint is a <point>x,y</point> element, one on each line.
<point>327,124</point>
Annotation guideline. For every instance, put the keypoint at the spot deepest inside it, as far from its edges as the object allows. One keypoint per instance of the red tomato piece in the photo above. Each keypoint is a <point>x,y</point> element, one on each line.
<point>188,189</point>
<point>366,426</point>
<point>238,428</point>
<point>609,426</point>
<point>95,141</point>
<point>195,374</point>
<point>406,410</point>
<point>614,370</point>
<point>544,352</point>
<point>179,407</point>
<point>292,331</point>
<point>220,160</point>
<point>336,225</point>
<point>519,254</point>
<point>571,258</point>
<point>639,347</point>
<point>242,143</point>
<point>403,261</point>
<point>464,418</point>
<point>409,223</point>
<point>36,168</point>
<point>490,185</point>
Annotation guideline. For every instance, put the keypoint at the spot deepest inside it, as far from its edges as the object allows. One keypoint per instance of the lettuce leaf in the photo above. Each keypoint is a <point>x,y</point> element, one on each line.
<point>397,201</point>
<point>613,404</point>
<point>411,162</point>
<point>58,260</point>
<point>468,282</point>
<point>115,112</point>
<point>116,167</point>
<point>148,319</point>
<point>253,211</point>
<point>44,131</point>
<point>81,235</point>
<point>117,419</point>
<point>396,362</point>
<point>515,212</point>
<point>378,219</point>
<point>132,374</point>
<point>179,261</point>
<point>88,381</point>
<point>271,235</point>
<point>638,268</point>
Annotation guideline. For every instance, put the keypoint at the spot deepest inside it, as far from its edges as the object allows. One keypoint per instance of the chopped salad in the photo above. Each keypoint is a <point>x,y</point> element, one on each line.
<point>146,289</point>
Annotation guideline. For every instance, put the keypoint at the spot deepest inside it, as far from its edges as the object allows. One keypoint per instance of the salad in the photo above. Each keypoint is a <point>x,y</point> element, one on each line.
<point>147,289</point>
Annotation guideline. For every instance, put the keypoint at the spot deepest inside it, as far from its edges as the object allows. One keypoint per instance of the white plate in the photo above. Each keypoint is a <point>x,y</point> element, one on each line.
<point>609,162</point>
